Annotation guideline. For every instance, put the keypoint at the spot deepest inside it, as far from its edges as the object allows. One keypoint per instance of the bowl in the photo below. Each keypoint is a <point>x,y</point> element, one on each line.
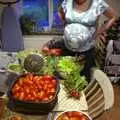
<point>73,115</point>
<point>31,106</point>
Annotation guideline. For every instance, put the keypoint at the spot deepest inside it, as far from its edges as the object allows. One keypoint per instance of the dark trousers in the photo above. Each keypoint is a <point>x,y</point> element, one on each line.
<point>89,63</point>
<point>89,59</point>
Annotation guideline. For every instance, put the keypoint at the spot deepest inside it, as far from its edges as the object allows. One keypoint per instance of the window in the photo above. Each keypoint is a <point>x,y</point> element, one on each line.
<point>40,16</point>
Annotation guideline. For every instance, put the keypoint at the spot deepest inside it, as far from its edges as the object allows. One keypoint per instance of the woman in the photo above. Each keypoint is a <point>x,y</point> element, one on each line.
<point>79,17</point>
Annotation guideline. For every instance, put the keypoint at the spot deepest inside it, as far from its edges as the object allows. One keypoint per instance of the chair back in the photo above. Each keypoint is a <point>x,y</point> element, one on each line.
<point>99,94</point>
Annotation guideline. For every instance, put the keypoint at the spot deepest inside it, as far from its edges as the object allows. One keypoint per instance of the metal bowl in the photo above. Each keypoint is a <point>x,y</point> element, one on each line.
<point>86,116</point>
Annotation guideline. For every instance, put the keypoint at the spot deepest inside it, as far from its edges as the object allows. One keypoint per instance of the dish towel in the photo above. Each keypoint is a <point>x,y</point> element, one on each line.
<point>70,104</point>
<point>11,35</point>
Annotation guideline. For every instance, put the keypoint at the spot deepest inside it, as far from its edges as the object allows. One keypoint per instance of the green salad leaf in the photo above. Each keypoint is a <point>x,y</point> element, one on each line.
<point>15,68</point>
<point>75,81</point>
<point>50,65</point>
<point>68,65</point>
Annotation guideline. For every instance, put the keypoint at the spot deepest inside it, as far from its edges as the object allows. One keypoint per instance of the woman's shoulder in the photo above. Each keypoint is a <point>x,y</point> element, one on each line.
<point>100,2</point>
<point>100,6</point>
<point>63,5</point>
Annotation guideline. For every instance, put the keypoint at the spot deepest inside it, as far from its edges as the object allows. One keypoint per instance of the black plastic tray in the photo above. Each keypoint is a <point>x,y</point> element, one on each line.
<point>30,106</point>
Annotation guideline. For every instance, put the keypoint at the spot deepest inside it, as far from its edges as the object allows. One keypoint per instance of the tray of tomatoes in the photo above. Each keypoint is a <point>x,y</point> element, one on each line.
<point>73,115</point>
<point>34,93</point>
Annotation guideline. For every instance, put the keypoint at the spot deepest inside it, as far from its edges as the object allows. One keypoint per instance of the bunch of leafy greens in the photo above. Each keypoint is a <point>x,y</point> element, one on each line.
<point>50,65</point>
<point>15,68</point>
<point>19,67</point>
<point>23,54</point>
<point>75,81</point>
<point>68,65</point>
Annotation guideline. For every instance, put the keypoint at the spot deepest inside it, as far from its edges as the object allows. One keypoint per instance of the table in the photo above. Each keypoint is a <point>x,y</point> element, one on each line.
<point>63,103</point>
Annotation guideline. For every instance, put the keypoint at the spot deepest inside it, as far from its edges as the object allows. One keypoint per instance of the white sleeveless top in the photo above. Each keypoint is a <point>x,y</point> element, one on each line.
<point>78,33</point>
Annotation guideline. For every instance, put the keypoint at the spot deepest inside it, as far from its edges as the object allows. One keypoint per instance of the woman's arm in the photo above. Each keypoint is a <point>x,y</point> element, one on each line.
<point>61,15</point>
<point>110,14</point>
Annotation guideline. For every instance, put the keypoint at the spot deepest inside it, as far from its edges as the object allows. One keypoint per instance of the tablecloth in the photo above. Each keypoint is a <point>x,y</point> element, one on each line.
<point>66,103</point>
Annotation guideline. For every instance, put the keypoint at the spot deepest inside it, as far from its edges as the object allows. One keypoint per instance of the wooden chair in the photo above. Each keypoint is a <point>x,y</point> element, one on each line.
<point>99,94</point>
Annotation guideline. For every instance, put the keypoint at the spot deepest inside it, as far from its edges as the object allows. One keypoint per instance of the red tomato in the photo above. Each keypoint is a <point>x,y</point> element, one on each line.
<point>54,82</point>
<point>33,98</point>
<point>52,90</point>
<point>48,77</point>
<point>34,94</point>
<point>40,87</point>
<point>45,99</point>
<point>29,82</point>
<point>77,114</point>
<point>36,78</point>
<point>55,51</point>
<point>45,49</point>
<point>83,118</point>
<point>20,82</point>
<point>28,97</point>
<point>50,85</point>
<point>27,90</point>
<point>47,81</point>
<point>74,118</point>
<point>41,95</point>
<point>16,95</point>
<point>21,96</point>
<point>50,97</point>
<point>37,82</point>
<point>15,89</point>
<point>45,87</point>
<point>30,76</point>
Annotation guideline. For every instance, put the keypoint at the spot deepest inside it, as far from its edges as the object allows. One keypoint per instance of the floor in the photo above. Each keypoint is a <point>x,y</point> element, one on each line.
<point>114,113</point>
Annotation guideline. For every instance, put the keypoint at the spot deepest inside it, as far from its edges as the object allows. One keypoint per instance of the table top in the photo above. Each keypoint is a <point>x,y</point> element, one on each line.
<point>63,104</point>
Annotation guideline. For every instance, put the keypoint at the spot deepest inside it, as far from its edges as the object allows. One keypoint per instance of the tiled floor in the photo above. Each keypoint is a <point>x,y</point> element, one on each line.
<point>114,113</point>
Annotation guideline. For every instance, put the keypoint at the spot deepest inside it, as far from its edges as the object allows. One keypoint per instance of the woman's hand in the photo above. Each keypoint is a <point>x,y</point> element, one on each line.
<point>110,14</point>
<point>52,51</point>
<point>61,15</point>
<point>98,32</point>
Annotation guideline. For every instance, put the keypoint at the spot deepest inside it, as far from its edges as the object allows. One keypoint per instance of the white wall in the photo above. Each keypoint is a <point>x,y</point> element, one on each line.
<point>36,41</point>
<point>116,5</point>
